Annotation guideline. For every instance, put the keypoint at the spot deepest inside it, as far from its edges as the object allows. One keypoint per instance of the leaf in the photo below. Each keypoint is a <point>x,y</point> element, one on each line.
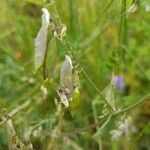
<point>66,76</point>
<point>75,101</point>
<point>41,39</point>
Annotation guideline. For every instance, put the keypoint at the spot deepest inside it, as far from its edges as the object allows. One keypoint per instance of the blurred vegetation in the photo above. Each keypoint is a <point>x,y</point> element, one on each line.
<point>95,31</point>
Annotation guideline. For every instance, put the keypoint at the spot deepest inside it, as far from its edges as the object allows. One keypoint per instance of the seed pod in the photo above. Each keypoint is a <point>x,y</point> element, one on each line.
<point>41,39</point>
<point>66,77</point>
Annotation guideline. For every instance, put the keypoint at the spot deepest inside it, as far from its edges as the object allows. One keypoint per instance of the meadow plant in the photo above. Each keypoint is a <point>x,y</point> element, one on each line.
<point>62,89</point>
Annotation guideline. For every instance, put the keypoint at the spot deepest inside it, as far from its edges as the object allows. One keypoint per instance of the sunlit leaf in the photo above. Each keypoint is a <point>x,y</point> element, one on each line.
<point>41,39</point>
<point>75,101</point>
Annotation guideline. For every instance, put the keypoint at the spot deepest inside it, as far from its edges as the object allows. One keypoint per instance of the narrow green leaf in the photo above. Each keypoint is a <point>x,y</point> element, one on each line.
<point>75,101</point>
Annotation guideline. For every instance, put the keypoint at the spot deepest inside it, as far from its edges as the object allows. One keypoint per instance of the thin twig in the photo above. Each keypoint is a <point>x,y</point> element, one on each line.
<point>14,111</point>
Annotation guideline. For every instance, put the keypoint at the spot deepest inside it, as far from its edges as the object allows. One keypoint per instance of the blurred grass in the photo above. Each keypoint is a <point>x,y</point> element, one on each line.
<point>93,32</point>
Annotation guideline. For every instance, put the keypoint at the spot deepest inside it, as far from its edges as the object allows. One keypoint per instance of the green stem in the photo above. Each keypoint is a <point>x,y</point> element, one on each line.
<point>129,107</point>
<point>132,106</point>
<point>102,127</point>
<point>122,33</point>
<point>100,93</point>
<point>109,117</point>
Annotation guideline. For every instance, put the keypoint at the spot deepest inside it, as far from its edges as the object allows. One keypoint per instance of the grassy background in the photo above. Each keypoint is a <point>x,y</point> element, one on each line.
<point>93,29</point>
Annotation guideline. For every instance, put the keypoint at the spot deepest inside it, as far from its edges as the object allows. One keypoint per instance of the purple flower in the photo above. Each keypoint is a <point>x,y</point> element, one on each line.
<point>118,82</point>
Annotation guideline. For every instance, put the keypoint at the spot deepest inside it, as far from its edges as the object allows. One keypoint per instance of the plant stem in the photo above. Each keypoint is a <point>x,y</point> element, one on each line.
<point>103,126</point>
<point>132,106</point>
<point>100,93</point>
<point>122,33</point>
<point>14,111</point>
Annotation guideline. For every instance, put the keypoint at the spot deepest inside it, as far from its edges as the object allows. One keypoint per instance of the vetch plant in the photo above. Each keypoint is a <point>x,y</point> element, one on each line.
<point>82,99</point>
<point>68,90</point>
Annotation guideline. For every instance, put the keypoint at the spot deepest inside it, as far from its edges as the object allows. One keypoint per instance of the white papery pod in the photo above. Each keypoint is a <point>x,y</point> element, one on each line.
<point>41,39</point>
<point>64,99</point>
<point>65,89</point>
<point>66,76</point>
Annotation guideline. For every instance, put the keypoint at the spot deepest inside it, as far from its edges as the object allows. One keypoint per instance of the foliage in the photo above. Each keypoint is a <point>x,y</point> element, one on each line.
<point>104,78</point>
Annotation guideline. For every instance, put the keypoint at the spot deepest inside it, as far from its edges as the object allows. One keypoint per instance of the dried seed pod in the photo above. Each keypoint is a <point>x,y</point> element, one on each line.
<point>41,39</point>
<point>65,89</point>
<point>68,90</point>
<point>66,76</point>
